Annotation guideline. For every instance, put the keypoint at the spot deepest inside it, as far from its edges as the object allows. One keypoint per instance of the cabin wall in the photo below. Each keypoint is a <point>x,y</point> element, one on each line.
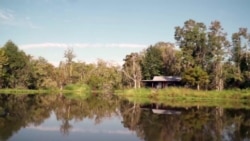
<point>160,85</point>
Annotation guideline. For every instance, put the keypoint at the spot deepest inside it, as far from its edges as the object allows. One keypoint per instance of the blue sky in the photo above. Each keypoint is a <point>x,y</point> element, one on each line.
<point>108,29</point>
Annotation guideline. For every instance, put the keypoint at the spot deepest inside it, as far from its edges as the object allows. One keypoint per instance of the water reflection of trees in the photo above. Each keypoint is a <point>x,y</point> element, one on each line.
<point>203,123</point>
<point>19,111</point>
<point>193,123</point>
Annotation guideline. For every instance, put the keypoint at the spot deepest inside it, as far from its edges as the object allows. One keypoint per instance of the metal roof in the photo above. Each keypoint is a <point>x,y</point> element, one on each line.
<point>164,78</point>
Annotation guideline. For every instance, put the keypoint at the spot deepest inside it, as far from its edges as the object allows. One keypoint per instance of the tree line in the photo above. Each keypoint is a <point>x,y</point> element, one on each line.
<point>19,70</point>
<point>204,57</point>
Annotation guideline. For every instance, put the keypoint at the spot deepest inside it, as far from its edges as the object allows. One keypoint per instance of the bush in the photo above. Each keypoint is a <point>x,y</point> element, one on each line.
<point>77,87</point>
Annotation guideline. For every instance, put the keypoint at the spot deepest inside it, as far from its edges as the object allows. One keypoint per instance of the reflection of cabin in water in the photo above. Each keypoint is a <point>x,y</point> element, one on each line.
<point>162,81</point>
<point>163,109</point>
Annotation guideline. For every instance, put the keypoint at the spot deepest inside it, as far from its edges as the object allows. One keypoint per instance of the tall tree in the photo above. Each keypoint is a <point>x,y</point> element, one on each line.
<point>192,40</point>
<point>69,55</point>
<point>15,74</point>
<point>240,54</point>
<point>238,49</point>
<point>218,46</point>
<point>61,75</point>
<point>132,70</point>
<point>3,62</point>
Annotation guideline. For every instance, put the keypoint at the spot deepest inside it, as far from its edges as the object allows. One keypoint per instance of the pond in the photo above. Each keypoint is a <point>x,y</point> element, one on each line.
<point>106,118</point>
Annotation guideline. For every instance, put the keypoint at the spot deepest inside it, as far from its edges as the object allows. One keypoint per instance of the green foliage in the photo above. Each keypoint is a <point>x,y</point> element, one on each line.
<point>15,72</point>
<point>152,63</point>
<point>42,74</point>
<point>171,58</point>
<point>3,61</point>
<point>223,65</point>
<point>103,76</point>
<point>210,49</point>
<point>77,88</point>
<point>195,77</point>
<point>192,41</point>
<point>240,58</point>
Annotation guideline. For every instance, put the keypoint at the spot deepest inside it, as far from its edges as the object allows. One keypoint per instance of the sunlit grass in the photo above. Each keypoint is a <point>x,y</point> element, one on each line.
<point>183,97</point>
<point>81,91</point>
<point>184,93</point>
<point>26,91</point>
<point>77,89</point>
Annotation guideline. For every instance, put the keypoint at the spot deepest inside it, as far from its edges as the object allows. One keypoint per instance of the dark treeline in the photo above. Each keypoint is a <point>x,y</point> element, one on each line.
<point>205,58</point>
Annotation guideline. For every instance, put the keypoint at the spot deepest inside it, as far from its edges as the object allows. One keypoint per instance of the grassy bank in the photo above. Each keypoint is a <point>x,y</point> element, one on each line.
<point>184,93</point>
<point>183,97</point>
<point>26,91</point>
<point>223,103</point>
<point>72,88</point>
<point>77,88</point>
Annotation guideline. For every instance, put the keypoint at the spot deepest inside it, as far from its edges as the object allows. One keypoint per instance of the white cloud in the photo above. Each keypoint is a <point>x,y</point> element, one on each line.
<point>82,45</point>
<point>9,17</point>
<point>6,15</point>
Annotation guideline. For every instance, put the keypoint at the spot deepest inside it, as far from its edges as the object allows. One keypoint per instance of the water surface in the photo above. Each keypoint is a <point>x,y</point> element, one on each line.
<point>105,118</point>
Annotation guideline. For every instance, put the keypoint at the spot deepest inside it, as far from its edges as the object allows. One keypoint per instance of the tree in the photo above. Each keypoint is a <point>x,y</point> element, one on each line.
<point>43,74</point>
<point>15,72</point>
<point>104,75</point>
<point>240,56</point>
<point>230,75</point>
<point>218,46</point>
<point>192,41</point>
<point>171,58</point>
<point>69,55</point>
<point>3,62</point>
<point>237,48</point>
<point>132,69</point>
<point>79,72</point>
<point>61,75</point>
<point>152,63</point>
<point>195,77</point>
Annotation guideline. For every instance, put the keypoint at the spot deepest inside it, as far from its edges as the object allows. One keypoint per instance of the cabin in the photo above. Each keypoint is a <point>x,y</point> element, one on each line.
<point>160,82</point>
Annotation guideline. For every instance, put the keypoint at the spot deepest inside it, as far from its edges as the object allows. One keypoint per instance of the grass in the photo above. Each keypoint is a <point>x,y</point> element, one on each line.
<point>183,97</point>
<point>72,88</point>
<point>72,91</point>
<point>26,91</point>
<point>184,93</point>
<point>235,104</point>
<point>77,88</point>
<point>80,91</point>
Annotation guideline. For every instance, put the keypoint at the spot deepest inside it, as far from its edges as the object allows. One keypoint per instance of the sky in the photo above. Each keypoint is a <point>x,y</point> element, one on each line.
<point>108,29</point>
